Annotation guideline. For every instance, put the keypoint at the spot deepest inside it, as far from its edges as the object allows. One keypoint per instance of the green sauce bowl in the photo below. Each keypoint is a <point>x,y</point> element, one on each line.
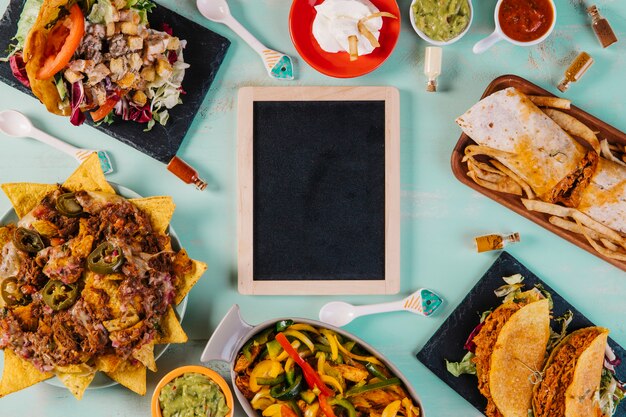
<point>432,41</point>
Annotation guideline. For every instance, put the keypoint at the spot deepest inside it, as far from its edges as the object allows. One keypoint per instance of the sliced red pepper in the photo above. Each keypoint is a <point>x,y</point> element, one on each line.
<point>312,377</point>
<point>286,411</point>
<point>63,40</point>
<point>326,408</point>
<point>105,108</point>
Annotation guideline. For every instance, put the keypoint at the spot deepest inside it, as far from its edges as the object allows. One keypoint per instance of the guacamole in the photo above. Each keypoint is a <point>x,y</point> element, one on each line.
<point>192,395</point>
<point>441,20</point>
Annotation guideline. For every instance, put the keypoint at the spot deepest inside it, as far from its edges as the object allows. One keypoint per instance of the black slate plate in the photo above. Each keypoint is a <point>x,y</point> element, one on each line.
<point>448,340</point>
<point>204,53</point>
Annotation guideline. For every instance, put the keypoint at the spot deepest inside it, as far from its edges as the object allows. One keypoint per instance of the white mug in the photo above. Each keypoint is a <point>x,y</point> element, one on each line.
<point>498,35</point>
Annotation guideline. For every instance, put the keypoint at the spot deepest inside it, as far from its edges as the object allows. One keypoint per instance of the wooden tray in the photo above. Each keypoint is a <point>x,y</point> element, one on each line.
<point>513,202</point>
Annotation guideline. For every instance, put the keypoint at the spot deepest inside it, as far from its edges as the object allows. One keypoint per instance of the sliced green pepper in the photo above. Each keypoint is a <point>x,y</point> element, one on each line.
<point>345,404</point>
<point>371,387</point>
<point>27,240</point>
<point>308,396</point>
<point>11,293</point>
<point>68,206</point>
<point>295,408</point>
<point>262,337</point>
<point>283,325</point>
<point>283,393</point>
<point>59,296</point>
<point>373,369</point>
<point>246,350</point>
<point>105,259</point>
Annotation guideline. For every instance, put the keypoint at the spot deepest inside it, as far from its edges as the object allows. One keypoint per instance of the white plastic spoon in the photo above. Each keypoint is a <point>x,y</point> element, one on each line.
<point>15,124</point>
<point>277,64</point>
<point>423,302</point>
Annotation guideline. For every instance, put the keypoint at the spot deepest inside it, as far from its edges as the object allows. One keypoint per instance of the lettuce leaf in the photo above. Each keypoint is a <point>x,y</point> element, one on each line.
<point>465,366</point>
<point>26,22</point>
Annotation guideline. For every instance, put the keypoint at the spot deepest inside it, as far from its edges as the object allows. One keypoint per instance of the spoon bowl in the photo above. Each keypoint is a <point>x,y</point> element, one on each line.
<point>337,313</point>
<point>15,124</point>
<point>215,10</point>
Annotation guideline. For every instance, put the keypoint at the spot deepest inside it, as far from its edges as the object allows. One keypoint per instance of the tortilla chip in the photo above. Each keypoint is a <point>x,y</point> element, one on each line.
<point>171,330</point>
<point>19,374</point>
<point>131,376</point>
<point>189,280</point>
<point>145,355</point>
<point>89,177</point>
<point>519,351</point>
<point>76,383</point>
<point>6,234</point>
<point>108,363</point>
<point>25,196</point>
<point>158,209</point>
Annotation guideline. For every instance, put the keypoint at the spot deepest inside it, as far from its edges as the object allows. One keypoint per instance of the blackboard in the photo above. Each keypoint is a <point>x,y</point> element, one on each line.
<point>316,190</point>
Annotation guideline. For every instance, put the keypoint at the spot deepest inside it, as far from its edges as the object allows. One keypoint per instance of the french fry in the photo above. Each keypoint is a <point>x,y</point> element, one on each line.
<point>353,43</point>
<point>529,192</point>
<point>505,184</point>
<point>574,127</point>
<point>574,227</point>
<point>378,14</point>
<point>619,255</point>
<point>606,152</point>
<point>549,101</point>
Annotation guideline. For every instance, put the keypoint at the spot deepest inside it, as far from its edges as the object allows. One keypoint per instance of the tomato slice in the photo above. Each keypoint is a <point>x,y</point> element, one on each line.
<point>63,40</point>
<point>104,109</point>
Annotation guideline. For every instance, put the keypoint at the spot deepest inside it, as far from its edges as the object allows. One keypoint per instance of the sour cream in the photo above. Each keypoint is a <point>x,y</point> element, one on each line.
<point>336,20</point>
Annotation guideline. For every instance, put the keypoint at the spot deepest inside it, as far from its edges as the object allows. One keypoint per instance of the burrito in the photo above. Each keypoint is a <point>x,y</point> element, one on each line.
<point>510,352</point>
<point>571,378</point>
<point>604,199</point>
<point>532,145</point>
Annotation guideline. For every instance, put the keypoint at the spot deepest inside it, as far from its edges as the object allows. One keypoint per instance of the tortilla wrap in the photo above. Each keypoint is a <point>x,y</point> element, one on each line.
<point>510,347</point>
<point>604,199</point>
<point>549,160</point>
<point>571,377</point>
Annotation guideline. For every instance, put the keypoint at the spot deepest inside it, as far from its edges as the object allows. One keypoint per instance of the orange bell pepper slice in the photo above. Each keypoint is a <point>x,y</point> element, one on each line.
<point>326,408</point>
<point>105,108</point>
<point>63,40</point>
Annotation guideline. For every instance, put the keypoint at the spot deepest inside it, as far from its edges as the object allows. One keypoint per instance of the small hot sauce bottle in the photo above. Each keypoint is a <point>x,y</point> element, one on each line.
<point>186,173</point>
<point>601,27</point>
<point>432,67</point>
<point>495,242</point>
<point>576,70</point>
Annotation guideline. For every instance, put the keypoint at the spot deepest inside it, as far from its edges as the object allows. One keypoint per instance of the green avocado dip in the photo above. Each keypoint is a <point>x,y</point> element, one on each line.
<point>441,20</point>
<point>192,395</point>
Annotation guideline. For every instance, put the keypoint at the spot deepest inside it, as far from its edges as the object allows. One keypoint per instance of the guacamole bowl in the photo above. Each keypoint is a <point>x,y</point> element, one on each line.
<point>438,42</point>
<point>185,372</point>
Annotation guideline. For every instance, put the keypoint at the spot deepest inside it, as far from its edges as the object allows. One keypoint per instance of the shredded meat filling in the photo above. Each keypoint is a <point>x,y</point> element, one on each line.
<point>485,341</point>
<point>568,191</point>
<point>549,399</point>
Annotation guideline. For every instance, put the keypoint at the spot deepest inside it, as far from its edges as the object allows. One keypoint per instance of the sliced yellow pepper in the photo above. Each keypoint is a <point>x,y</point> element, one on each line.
<point>302,337</point>
<point>264,369</point>
<point>311,411</point>
<point>392,409</point>
<point>333,383</point>
<point>284,355</point>
<point>289,364</point>
<point>332,341</point>
<point>303,327</point>
<point>321,360</point>
<point>273,410</point>
<point>356,357</point>
<point>262,399</point>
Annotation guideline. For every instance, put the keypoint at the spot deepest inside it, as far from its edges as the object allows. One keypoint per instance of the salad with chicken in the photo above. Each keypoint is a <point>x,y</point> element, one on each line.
<point>99,59</point>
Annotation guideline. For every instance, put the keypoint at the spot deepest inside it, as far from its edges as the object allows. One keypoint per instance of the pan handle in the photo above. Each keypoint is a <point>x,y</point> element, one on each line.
<point>223,343</point>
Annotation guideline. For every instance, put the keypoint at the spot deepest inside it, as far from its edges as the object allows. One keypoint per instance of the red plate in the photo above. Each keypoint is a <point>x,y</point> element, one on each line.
<point>338,64</point>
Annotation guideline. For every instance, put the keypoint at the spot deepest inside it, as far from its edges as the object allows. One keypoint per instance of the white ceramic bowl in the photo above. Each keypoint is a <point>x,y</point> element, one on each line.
<point>233,333</point>
<point>440,43</point>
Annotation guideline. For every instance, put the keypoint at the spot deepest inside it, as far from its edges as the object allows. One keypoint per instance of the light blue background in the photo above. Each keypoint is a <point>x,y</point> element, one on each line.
<point>440,216</point>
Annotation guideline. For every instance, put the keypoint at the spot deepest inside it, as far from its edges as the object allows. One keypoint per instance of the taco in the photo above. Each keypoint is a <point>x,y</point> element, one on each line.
<point>99,58</point>
<point>571,378</point>
<point>510,349</point>
<point>518,134</point>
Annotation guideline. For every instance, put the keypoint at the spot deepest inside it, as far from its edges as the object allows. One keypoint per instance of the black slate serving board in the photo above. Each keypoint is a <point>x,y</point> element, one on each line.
<point>448,340</point>
<point>204,53</point>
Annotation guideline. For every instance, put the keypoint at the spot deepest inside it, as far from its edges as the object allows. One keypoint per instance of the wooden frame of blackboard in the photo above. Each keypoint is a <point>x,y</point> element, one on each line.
<point>246,282</point>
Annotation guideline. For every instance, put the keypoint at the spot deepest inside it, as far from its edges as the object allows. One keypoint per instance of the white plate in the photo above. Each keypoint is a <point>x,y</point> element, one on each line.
<point>101,380</point>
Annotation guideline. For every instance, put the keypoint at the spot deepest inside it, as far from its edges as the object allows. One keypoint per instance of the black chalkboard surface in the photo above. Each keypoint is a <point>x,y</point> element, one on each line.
<point>318,187</point>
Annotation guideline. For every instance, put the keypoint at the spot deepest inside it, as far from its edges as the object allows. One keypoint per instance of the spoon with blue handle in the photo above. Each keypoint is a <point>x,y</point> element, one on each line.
<point>423,302</point>
<point>277,64</point>
<point>15,124</point>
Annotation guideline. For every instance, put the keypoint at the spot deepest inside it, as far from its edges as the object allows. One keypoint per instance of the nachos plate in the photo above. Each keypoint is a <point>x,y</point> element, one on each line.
<point>147,345</point>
